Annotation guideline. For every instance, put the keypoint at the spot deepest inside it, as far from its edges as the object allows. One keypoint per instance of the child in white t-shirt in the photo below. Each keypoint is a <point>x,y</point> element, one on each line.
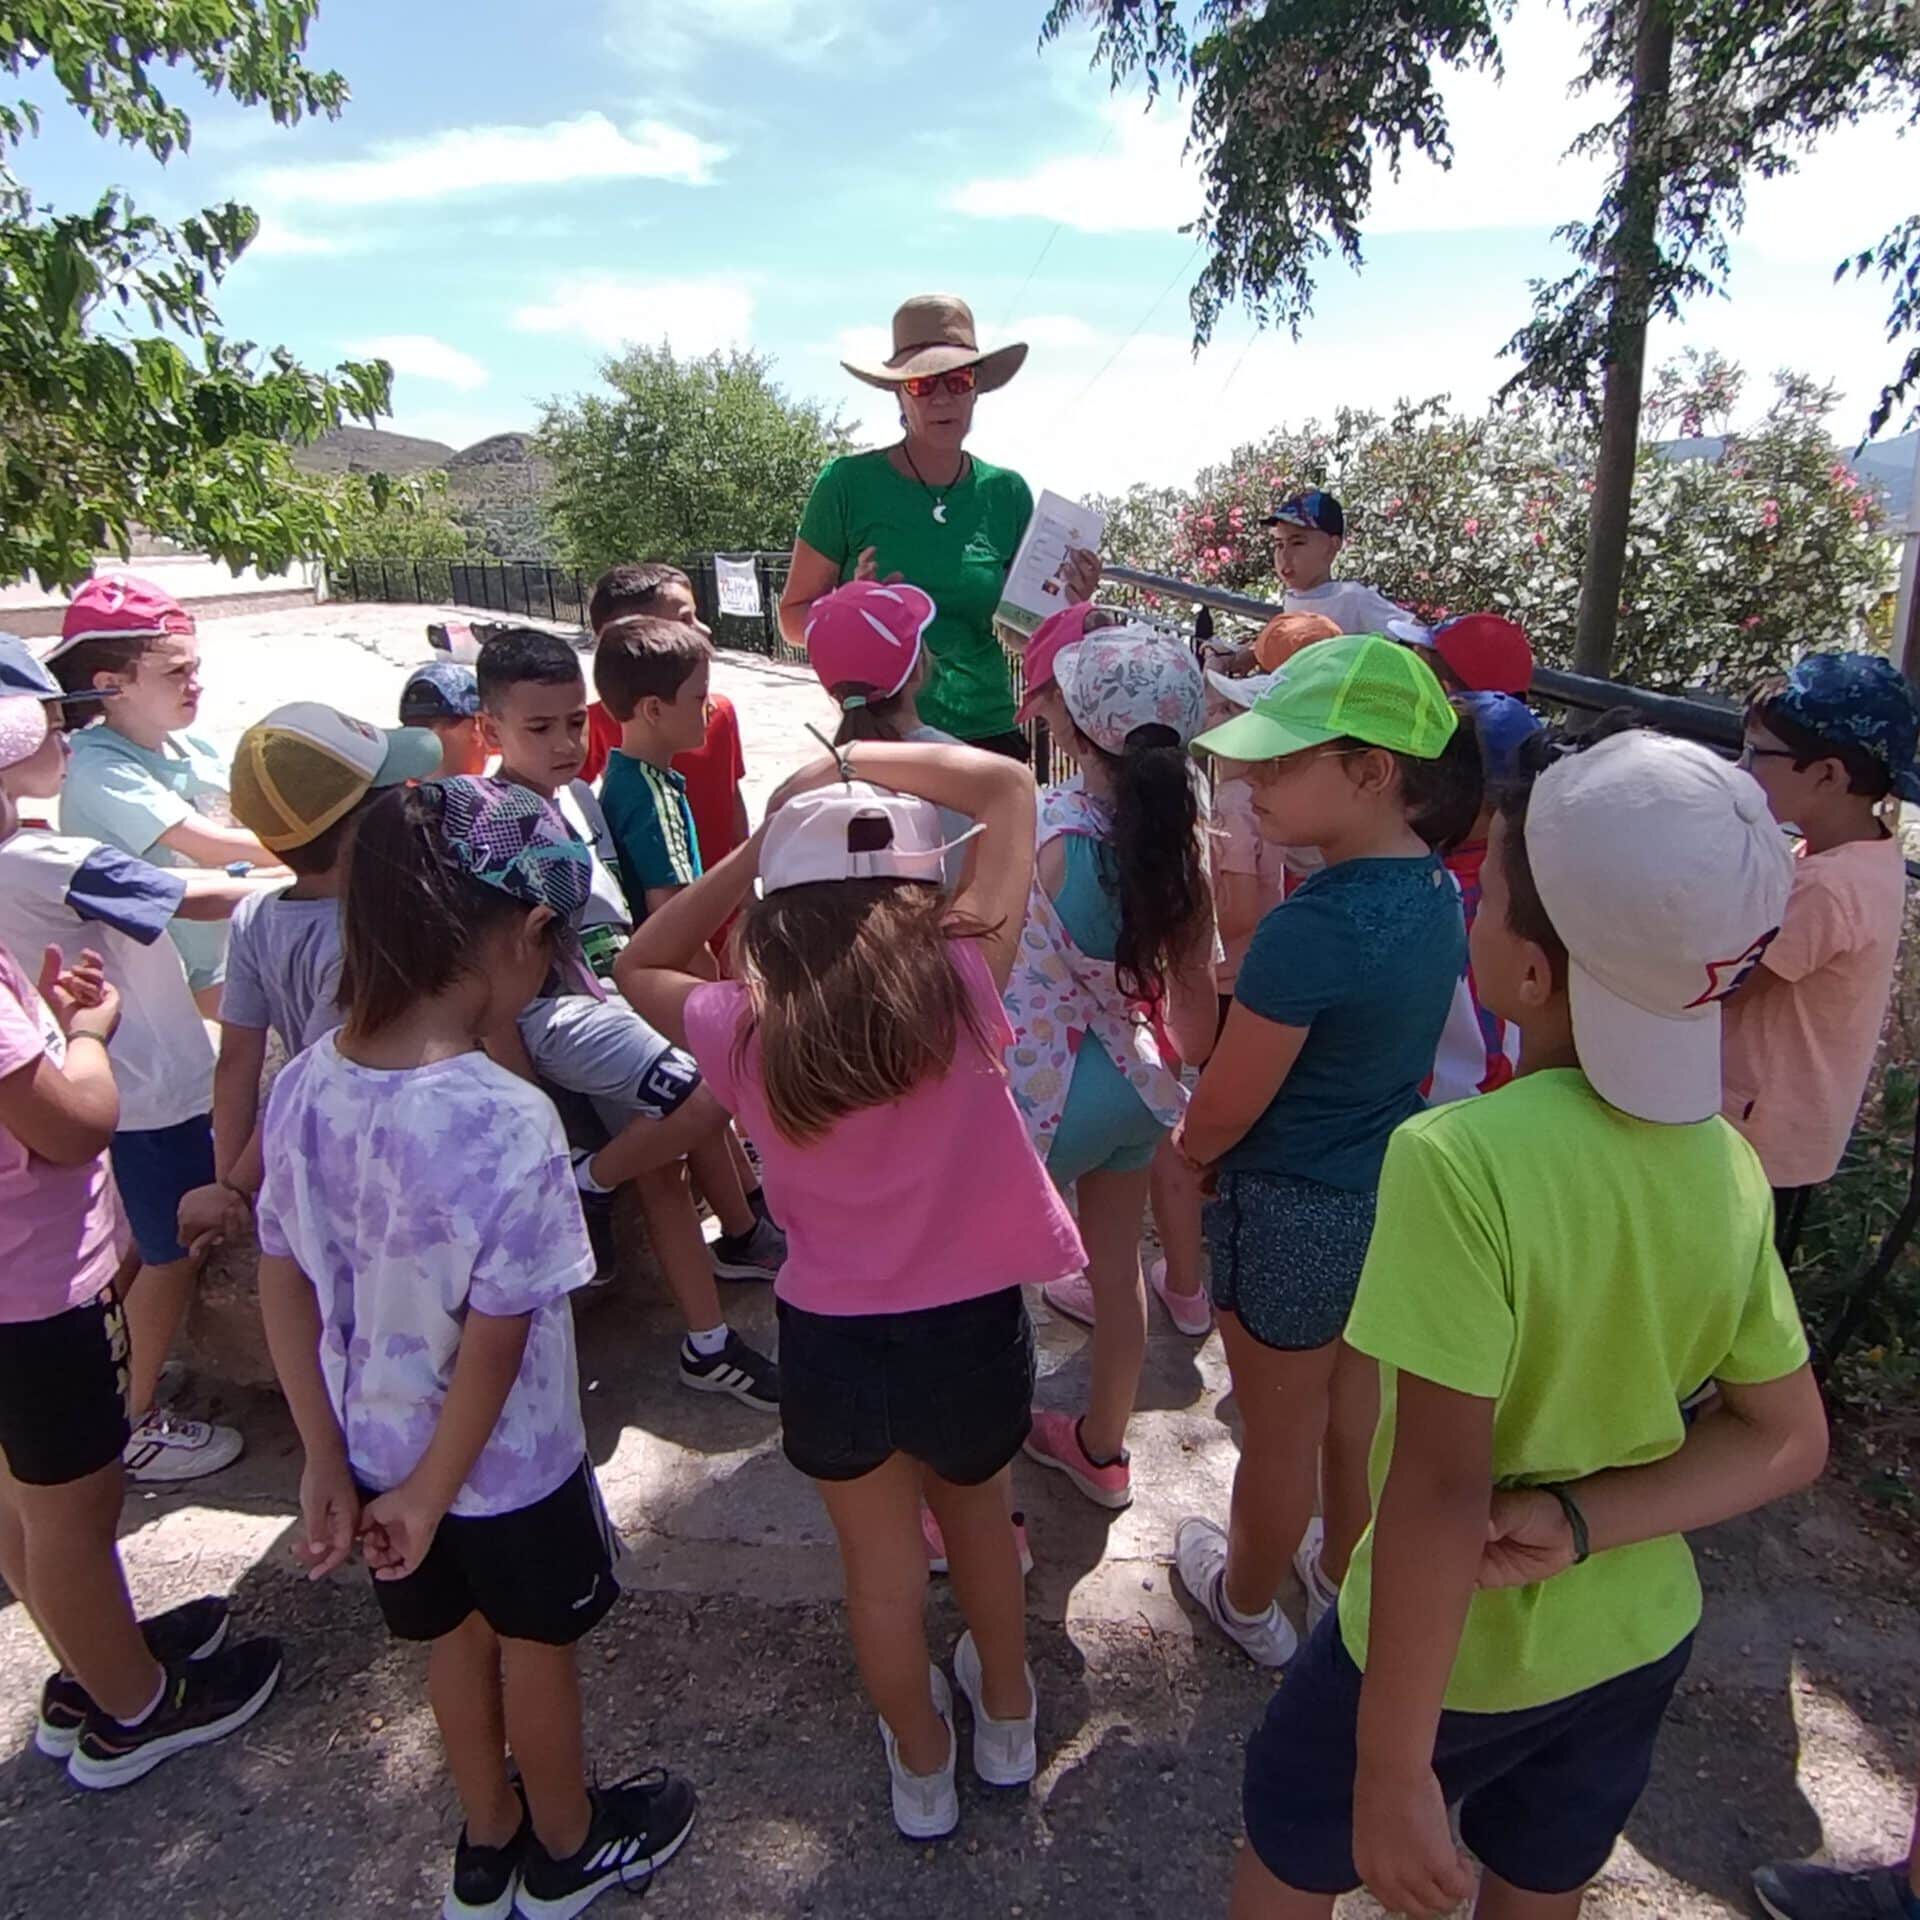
<point>1309,530</point>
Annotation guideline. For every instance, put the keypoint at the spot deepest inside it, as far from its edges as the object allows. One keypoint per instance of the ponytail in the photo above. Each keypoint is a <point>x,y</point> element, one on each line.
<point>1153,861</point>
<point>865,713</point>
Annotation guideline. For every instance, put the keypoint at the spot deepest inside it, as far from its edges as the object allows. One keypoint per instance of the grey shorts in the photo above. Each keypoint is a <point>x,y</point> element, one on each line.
<point>603,1050</point>
<point>1287,1255</point>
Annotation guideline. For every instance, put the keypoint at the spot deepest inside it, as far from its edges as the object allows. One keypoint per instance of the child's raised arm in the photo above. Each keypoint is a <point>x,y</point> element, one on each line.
<point>68,1114</point>
<point>329,1501</point>
<point>661,965</point>
<point>987,787</point>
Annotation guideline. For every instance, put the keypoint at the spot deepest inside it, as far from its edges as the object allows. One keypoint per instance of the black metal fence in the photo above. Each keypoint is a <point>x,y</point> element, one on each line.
<point>537,590</point>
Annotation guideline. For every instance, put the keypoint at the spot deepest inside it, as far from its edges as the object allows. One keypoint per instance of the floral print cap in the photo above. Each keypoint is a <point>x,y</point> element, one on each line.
<point>1121,678</point>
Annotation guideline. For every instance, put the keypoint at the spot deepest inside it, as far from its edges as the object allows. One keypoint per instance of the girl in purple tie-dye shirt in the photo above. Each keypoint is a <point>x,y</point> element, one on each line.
<point>420,1230</point>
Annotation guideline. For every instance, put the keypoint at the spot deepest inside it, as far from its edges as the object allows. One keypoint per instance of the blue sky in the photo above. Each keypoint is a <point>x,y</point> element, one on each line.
<point>516,189</point>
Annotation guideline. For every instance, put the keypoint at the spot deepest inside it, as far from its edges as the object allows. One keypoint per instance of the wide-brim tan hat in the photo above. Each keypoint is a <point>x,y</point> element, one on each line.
<point>934,333</point>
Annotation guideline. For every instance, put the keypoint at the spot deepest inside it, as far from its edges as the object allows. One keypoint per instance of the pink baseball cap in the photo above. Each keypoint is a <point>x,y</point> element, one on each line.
<point>119,607</point>
<point>24,722</point>
<point>868,634</point>
<point>1067,628</point>
<point>1121,678</point>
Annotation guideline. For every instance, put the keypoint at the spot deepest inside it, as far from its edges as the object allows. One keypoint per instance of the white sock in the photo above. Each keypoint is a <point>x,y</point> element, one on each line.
<point>146,1713</point>
<point>1234,1614</point>
<point>707,1344</point>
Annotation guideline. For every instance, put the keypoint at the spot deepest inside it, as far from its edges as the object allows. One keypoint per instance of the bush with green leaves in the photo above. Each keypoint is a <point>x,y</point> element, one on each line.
<point>680,457</point>
<point>408,519</point>
<point>1735,565</point>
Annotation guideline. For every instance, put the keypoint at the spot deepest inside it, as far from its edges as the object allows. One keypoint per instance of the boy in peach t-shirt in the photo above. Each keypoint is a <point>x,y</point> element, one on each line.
<point>1832,745</point>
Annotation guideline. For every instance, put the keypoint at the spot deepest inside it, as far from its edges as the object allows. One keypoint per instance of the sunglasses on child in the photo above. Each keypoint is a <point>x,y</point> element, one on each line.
<point>960,380</point>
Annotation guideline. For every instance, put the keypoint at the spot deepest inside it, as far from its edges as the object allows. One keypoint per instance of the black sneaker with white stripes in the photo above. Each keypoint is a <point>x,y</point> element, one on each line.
<point>638,1826</point>
<point>191,1631</point>
<point>737,1368</point>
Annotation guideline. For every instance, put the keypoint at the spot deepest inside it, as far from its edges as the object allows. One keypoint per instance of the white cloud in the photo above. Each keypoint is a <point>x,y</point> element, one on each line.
<point>423,357</point>
<point>693,316</point>
<point>470,159</point>
<point>672,35</point>
<point>277,240</point>
<point>1136,181</point>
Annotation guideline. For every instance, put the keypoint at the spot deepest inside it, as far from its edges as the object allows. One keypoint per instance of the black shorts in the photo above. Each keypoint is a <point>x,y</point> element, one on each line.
<point>542,1573</point>
<point>951,1387</point>
<point>63,1393</point>
<point>1543,1794</point>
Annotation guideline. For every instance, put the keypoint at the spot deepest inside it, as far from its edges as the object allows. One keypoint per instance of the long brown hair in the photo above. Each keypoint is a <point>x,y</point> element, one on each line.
<point>856,999</point>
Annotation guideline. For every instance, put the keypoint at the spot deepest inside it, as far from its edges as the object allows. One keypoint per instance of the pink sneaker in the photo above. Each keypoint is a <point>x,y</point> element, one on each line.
<point>1191,1313</point>
<point>937,1546</point>
<point>1071,1297</point>
<point>1055,1442</point>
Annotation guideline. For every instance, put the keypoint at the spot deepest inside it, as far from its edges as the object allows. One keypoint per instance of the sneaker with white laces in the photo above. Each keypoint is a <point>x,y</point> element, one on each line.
<point>738,1369</point>
<point>1200,1555</point>
<point>758,1254</point>
<point>1004,1754</point>
<point>165,1448</point>
<point>1322,1594</point>
<point>926,1806</point>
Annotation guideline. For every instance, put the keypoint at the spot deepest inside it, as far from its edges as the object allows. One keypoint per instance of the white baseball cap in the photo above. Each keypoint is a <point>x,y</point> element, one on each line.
<point>855,831</point>
<point>1665,876</point>
<point>1244,689</point>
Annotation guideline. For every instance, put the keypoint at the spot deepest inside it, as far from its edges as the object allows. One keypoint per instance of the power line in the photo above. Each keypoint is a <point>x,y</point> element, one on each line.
<point>1178,274</point>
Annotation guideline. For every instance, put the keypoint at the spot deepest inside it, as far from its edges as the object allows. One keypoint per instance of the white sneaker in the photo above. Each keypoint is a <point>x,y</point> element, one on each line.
<point>1003,1750</point>
<point>1322,1595</point>
<point>1200,1556</point>
<point>165,1448</point>
<point>926,1806</point>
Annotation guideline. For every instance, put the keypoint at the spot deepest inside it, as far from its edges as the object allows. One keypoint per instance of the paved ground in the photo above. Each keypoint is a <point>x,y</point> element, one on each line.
<point>728,1659</point>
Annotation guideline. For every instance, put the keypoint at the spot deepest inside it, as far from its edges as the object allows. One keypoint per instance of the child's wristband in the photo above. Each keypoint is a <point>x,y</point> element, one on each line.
<point>1576,1521</point>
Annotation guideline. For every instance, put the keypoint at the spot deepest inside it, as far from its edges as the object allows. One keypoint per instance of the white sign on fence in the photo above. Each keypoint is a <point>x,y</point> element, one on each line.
<point>738,582</point>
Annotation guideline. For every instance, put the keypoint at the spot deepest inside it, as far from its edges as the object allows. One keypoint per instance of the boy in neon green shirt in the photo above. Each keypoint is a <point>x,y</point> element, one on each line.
<point>1556,1266</point>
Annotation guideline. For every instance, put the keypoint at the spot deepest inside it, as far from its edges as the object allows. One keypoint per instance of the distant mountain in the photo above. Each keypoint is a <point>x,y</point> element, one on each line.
<point>496,487</point>
<point>1886,465</point>
<point>371,450</point>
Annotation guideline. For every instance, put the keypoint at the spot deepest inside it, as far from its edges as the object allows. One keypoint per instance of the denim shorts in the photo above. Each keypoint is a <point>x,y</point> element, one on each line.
<point>155,1168</point>
<point>1543,1794</point>
<point>951,1387</point>
<point>1286,1255</point>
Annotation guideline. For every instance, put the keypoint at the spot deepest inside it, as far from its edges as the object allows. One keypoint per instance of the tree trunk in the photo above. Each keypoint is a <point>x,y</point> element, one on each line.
<point>1630,262</point>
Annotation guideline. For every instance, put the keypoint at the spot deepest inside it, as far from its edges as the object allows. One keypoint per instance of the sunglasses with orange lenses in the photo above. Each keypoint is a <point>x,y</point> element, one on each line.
<point>960,380</point>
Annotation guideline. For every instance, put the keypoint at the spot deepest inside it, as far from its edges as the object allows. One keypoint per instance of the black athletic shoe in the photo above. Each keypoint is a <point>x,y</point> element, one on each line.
<point>484,1878</point>
<point>190,1631</point>
<point>638,1826</point>
<point>755,1255</point>
<point>205,1700</point>
<point>737,1368</point>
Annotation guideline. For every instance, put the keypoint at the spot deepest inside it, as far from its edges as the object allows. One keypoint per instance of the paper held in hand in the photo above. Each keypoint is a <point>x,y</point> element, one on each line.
<point>1034,586</point>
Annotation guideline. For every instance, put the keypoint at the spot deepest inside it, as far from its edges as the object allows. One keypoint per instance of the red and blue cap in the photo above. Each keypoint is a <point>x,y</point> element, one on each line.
<point>1314,509</point>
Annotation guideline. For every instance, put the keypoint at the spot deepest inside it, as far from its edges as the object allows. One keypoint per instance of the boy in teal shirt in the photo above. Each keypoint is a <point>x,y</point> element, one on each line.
<point>1555,1267</point>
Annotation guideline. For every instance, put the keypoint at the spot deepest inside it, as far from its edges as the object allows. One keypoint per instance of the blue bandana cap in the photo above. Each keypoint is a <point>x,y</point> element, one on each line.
<point>1861,700</point>
<point>508,837</point>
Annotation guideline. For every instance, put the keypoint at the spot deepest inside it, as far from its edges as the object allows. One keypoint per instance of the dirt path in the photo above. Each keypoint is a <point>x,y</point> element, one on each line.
<point>728,1659</point>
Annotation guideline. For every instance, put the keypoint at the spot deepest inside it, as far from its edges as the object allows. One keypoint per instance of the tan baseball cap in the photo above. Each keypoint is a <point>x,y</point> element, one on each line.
<point>307,765</point>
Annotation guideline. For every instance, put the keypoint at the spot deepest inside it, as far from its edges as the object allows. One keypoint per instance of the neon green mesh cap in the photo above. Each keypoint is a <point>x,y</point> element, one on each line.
<point>1358,687</point>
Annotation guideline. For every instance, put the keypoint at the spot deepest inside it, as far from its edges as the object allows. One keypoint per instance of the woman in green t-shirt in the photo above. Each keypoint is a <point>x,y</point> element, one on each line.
<point>927,512</point>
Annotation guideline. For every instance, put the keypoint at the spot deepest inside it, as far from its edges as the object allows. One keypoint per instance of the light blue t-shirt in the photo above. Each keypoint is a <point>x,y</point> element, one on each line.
<point>1365,956</point>
<point>283,968</point>
<point>119,792</point>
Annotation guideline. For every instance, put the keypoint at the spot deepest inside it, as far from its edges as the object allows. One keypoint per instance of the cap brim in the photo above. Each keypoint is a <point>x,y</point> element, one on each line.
<point>413,753</point>
<point>995,368</point>
<point>1029,708</point>
<point>1244,690</point>
<point>1254,736</point>
<point>1411,631</point>
<point>1649,1065</point>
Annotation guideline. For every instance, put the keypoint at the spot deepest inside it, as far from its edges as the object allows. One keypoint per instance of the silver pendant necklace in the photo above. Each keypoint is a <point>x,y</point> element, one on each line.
<point>940,498</point>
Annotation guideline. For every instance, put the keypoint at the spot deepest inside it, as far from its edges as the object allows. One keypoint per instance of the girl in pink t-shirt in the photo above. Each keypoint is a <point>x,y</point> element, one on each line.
<point>860,1045</point>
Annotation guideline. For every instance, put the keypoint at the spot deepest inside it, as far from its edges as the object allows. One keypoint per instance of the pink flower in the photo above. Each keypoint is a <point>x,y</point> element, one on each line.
<point>1394,505</point>
<point>1470,528</point>
<point>1539,539</point>
<point>1750,622</point>
<point>1205,523</point>
<point>1770,514</point>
